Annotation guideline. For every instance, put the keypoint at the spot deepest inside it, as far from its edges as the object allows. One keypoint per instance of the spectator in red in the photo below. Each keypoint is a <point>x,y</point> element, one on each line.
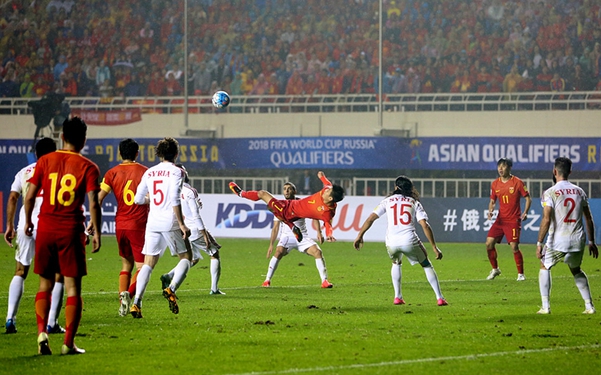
<point>295,84</point>
<point>483,80</point>
<point>543,79</point>
<point>172,86</point>
<point>557,83</point>
<point>157,86</point>
<point>323,82</point>
<point>41,87</point>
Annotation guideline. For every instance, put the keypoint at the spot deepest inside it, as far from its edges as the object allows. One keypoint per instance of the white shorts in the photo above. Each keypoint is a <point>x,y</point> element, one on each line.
<point>552,257</point>
<point>290,243</point>
<point>199,244</point>
<point>415,253</point>
<point>156,242</point>
<point>25,248</point>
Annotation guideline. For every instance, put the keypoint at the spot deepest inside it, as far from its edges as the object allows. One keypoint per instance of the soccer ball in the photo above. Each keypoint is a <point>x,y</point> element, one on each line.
<point>221,99</point>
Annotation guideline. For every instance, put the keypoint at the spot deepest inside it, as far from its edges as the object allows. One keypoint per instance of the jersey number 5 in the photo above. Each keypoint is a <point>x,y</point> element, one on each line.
<point>157,192</point>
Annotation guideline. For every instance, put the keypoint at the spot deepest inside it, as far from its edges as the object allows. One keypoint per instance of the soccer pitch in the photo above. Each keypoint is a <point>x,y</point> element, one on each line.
<point>296,327</point>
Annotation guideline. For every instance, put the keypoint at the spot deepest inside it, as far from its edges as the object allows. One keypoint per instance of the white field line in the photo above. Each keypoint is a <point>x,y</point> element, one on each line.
<point>334,369</point>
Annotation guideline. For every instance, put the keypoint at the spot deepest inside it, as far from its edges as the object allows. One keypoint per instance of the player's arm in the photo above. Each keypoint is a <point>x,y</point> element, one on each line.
<point>320,237</point>
<point>491,208</point>
<point>358,243</point>
<point>29,202</point>
<point>327,224</point>
<point>324,179</point>
<point>590,230</point>
<point>141,196</point>
<point>11,209</point>
<point>430,236</point>
<point>543,230</point>
<point>527,207</point>
<point>95,219</point>
<point>274,235</point>
<point>176,203</point>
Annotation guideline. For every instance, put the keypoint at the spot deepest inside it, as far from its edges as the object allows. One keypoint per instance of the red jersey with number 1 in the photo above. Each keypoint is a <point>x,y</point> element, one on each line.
<point>508,193</point>
<point>123,180</point>
<point>65,177</point>
<point>313,207</point>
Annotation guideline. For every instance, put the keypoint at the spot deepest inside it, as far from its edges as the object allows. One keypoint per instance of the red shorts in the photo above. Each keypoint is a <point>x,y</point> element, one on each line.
<point>60,252</point>
<point>510,229</point>
<point>280,209</point>
<point>130,244</point>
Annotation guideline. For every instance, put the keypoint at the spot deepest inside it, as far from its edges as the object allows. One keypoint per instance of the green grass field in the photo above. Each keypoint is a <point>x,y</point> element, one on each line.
<point>490,327</point>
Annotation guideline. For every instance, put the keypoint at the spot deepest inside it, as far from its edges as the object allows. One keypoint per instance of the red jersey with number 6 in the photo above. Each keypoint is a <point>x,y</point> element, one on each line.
<point>123,180</point>
<point>65,177</point>
<point>508,193</point>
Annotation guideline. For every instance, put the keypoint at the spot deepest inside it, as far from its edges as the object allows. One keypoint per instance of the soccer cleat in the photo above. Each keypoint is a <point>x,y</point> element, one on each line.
<point>521,277</point>
<point>125,302</point>
<point>135,311</point>
<point>326,284</point>
<point>165,281</point>
<point>216,292</point>
<point>172,298</point>
<point>65,350</point>
<point>266,284</point>
<point>590,311</point>
<point>43,347</point>
<point>55,329</point>
<point>493,273</point>
<point>10,326</point>
<point>297,233</point>
<point>399,301</point>
<point>442,302</point>
<point>235,188</point>
<point>544,311</point>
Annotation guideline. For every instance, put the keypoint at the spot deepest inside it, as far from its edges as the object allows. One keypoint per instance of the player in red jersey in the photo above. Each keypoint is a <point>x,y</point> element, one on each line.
<point>319,206</point>
<point>131,218</point>
<point>66,177</point>
<point>507,189</point>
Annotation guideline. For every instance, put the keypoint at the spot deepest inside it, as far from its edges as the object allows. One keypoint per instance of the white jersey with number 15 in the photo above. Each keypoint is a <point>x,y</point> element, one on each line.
<point>402,212</point>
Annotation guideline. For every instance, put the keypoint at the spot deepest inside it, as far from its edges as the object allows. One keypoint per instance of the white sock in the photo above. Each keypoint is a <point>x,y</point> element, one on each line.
<point>582,284</point>
<point>142,283</point>
<point>215,273</point>
<point>179,274</point>
<point>396,274</point>
<point>544,283</point>
<point>273,265</point>
<point>433,280</point>
<point>15,291</point>
<point>56,303</point>
<point>321,267</point>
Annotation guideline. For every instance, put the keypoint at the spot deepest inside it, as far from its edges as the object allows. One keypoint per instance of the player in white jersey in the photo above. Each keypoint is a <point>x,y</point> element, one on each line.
<point>288,242</point>
<point>25,248</point>
<point>564,204</point>
<point>161,187</point>
<point>200,238</point>
<point>403,209</point>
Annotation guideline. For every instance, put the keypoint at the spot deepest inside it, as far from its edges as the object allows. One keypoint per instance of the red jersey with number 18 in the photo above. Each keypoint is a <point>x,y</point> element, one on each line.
<point>508,193</point>
<point>123,180</point>
<point>65,177</point>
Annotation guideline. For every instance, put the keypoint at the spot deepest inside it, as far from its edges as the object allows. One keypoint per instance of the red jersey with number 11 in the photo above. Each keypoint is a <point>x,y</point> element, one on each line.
<point>508,193</point>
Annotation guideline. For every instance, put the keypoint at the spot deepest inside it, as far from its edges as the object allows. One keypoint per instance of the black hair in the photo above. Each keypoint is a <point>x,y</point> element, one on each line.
<point>337,193</point>
<point>186,178</point>
<point>291,184</point>
<point>563,166</point>
<point>506,161</point>
<point>74,131</point>
<point>128,148</point>
<point>404,186</point>
<point>167,149</point>
<point>44,146</point>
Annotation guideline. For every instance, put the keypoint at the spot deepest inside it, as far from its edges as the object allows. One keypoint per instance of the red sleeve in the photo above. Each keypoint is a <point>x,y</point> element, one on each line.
<point>326,182</point>
<point>93,175</point>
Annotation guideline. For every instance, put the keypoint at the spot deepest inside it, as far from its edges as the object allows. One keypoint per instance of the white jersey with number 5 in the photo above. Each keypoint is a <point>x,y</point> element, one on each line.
<point>163,184</point>
<point>402,213</point>
<point>566,233</point>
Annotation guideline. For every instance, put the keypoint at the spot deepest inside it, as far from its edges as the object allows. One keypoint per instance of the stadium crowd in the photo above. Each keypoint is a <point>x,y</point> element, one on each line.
<point>108,48</point>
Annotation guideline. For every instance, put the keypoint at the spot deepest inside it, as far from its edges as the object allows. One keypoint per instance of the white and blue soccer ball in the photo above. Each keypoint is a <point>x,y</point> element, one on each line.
<point>221,99</point>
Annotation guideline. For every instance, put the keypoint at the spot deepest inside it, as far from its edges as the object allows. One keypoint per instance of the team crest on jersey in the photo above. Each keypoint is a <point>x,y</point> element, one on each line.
<point>511,189</point>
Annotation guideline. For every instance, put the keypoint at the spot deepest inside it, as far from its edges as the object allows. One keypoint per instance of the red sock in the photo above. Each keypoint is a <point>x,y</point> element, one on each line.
<point>492,257</point>
<point>253,195</point>
<point>42,309</point>
<point>519,261</point>
<point>134,282</point>
<point>124,279</point>
<point>73,310</point>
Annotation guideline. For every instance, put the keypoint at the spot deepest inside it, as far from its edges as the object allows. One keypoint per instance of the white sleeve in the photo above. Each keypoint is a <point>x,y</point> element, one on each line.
<point>142,191</point>
<point>420,213</point>
<point>176,188</point>
<point>192,204</point>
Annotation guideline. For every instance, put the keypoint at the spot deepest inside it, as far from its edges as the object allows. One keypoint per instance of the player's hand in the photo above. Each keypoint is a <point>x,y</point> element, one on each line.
<point>438,253</point>
<point>320,174</point>
<point>593,250</point>
<point>9,235</point>
<point>539,252</point>
<point>269,251</point>
<point>185,231</point>
<point>29,228</point>
<point>320,238</point>
<point>90,229</point>
<point>358,243</point>
<point>96,242</point>
<point>524,216</point>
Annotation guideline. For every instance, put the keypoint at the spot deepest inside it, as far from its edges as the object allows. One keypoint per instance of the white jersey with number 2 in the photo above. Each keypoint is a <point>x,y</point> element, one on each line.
<point>402,213</point>
<point>566,232</point>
